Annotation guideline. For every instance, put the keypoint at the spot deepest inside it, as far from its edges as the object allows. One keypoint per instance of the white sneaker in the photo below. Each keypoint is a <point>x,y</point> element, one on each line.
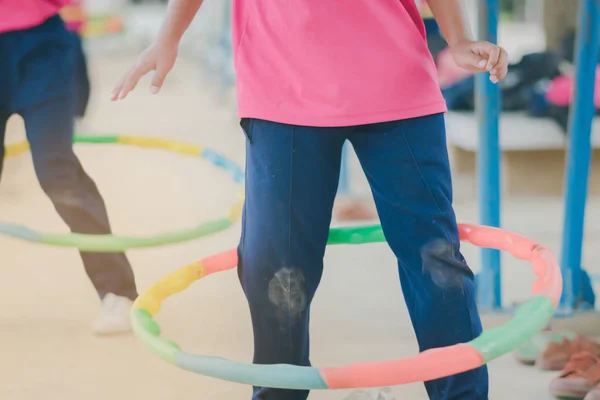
<point>114,316</point>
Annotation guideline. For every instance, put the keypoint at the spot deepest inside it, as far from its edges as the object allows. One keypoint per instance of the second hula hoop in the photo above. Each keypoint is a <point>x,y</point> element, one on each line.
<point>432,364</point>
<point>113,243</point>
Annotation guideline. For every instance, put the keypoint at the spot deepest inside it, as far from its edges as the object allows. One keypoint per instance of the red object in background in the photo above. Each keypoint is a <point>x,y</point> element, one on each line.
<point>561,90</point>
<point>356,211</point>
<point>448,72</point>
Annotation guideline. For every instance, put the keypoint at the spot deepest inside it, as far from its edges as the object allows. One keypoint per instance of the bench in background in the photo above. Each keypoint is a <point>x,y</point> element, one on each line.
<point>533,153</point>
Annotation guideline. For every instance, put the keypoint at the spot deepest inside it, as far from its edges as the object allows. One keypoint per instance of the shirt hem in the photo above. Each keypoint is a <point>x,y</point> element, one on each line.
<point>29,24</point>
<point>346,120</point>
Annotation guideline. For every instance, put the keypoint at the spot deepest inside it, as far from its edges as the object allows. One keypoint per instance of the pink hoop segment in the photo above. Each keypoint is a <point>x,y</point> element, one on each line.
<point>545,266</point>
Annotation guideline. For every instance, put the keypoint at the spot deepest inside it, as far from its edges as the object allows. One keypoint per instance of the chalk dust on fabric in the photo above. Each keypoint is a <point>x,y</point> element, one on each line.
<point>287,291</point>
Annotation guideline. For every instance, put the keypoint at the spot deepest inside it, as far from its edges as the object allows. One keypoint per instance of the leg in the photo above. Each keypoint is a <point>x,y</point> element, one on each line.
<point>81,81</point>
<point>291,180</point>
<point>45,70</point>
<point>74,195</point>
<point>406,163</point>
<point>5,84</point>
<point>4,115</point>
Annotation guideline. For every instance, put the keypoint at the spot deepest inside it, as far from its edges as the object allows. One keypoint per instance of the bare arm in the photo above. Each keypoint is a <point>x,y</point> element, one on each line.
<point>452,19</point>
<point>180,14</point>
<point>160,56</point>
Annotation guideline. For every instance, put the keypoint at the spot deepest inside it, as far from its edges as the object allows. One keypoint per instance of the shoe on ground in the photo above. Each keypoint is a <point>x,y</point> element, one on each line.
<point>114,316</point>
<point>580,376</point>
<point>556,355</point>
<point>529,351</point>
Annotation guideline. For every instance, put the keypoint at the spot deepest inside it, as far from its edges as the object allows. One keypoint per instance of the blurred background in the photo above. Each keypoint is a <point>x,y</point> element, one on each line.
<point>47,301</point>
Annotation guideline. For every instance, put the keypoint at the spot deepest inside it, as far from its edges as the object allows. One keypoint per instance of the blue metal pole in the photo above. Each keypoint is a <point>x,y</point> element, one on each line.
<point>579,151</point>
<point>344,184</point>
<point>488,162</point>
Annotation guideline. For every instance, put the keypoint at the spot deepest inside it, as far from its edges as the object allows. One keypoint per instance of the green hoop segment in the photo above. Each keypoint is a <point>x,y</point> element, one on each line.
<point>114,243</point>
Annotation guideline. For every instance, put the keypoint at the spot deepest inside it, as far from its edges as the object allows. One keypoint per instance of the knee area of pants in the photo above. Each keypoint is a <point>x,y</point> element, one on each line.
<point>287,292</point>
<point>63,196</point>
<point>443,263</point>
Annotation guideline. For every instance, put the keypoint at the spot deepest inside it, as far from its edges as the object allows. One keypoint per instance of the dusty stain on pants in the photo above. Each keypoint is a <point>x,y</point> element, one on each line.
<point>287,292</point>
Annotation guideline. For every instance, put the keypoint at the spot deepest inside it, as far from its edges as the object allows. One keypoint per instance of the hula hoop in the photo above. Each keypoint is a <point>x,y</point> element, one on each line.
<point>530,317</point>
<point>113,243</point>
<point>100,26</point>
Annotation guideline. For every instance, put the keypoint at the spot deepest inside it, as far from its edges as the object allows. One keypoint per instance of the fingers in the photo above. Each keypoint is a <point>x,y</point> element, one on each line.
<point>159,78</point>
<point>133,78</point>
<point>130,80</point>
<point>488,54</point>
<point>493,53</point>
<point>500,69</point>
<point>495,60</point>
<point>470,60</point>
<point>117,90</point>
<point>481,56</point>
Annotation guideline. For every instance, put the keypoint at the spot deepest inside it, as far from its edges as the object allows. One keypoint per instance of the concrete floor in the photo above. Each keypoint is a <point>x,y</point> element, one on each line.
<point>48,351</point>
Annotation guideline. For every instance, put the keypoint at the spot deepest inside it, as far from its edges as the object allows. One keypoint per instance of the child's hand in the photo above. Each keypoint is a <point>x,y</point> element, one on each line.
<point>159,57</point>
<point>481,56</point>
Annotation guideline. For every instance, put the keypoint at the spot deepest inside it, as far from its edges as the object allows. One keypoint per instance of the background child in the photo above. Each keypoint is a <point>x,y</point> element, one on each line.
<point>310,76</point>
<point>38,63</point>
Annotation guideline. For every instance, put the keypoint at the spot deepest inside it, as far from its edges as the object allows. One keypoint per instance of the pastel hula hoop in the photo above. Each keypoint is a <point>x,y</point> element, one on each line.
<point>529,318</point>
<point>112,243</point>
<point>100,26</point>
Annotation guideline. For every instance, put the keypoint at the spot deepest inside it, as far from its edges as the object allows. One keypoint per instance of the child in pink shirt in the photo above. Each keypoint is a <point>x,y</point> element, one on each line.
<point>39,61</point>
<point>312,75</point>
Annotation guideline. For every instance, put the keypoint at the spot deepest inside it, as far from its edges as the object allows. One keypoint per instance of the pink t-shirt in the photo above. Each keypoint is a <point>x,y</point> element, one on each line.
<point>23,14</point>
<point>333,62</point>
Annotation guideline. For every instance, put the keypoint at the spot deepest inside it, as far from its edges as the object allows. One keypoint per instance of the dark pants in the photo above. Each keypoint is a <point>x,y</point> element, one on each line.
<point>37,66</point>
<point>81,81</point>
<point>291,180</point>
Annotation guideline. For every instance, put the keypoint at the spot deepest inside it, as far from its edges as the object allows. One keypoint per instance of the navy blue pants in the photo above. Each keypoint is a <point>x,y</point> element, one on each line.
<point>37,67</point>
<point>291,182</point>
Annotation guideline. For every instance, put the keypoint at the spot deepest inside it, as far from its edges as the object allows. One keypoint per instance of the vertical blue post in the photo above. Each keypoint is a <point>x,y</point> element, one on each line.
<point>579,151</point>
<point>344,184</point>
<point>488,162</point>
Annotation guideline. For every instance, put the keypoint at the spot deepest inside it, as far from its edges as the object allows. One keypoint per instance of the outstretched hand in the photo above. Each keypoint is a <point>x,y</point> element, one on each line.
<point>159,57</point>
<point>479,56</point>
